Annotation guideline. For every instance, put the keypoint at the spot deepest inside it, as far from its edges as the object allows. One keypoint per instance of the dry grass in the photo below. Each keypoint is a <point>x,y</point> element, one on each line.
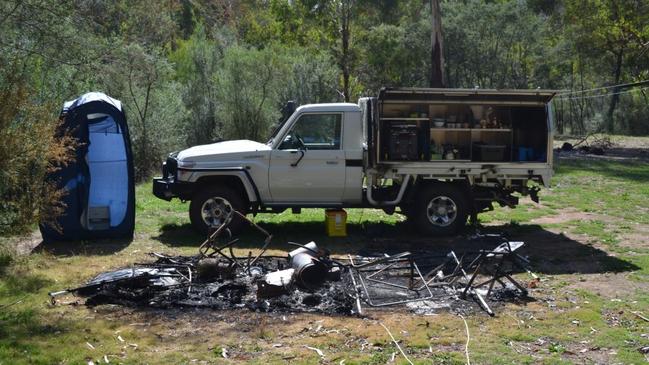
<point>595,275</point>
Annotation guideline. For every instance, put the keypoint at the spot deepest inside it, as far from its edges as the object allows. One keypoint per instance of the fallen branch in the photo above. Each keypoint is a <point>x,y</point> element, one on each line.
<point>396,343</point>
<point>14,303</point>
<point>584,139</point>
<point>320,353</point>
<point>468,338</point>
<point>639,315</point>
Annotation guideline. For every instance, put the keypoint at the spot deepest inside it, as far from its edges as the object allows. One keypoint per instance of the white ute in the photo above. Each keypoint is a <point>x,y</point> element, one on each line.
<point>439,155</point>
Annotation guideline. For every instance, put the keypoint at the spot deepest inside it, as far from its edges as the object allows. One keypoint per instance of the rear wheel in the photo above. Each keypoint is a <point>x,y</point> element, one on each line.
<point>213,206</point>
<point>441,210</point>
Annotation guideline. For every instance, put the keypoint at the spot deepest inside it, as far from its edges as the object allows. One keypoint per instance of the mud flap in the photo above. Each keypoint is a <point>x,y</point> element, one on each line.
<point>534,194</point>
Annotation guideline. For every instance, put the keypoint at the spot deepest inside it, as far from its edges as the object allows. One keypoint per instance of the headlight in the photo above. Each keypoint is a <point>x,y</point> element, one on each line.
<point>184,175</point>
<point>186,164</point>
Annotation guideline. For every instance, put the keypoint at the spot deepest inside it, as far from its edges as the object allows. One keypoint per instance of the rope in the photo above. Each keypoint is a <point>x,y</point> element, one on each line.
<point>396,343</point>
<point>468,338</point>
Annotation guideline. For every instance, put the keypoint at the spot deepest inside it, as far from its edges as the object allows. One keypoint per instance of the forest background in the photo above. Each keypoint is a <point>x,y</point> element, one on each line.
<point>197,71</point>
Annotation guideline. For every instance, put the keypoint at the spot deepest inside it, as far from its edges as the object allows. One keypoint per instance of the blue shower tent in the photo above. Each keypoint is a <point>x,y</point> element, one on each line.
<point>100,199</point>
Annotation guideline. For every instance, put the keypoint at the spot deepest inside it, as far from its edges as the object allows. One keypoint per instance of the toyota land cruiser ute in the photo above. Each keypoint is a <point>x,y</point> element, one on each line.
<point>436,155</point>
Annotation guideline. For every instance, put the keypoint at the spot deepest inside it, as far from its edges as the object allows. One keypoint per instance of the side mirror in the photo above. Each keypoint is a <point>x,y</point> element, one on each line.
<point>289,143</point>
<point>292,142</point>
<point>285,145</point>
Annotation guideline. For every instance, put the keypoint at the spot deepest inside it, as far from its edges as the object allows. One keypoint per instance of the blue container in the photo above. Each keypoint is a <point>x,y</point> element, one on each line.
<point>525,154</point>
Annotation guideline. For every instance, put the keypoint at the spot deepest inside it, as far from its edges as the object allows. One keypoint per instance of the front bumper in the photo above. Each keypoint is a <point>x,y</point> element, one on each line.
<point>169,189</point>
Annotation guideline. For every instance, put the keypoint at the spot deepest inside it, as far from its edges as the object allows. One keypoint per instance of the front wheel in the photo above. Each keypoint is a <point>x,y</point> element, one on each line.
<point>212,207</point>
<point>441,210</point>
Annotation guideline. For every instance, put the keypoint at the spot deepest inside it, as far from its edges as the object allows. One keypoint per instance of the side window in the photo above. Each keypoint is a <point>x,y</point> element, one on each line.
<point>316,132</point>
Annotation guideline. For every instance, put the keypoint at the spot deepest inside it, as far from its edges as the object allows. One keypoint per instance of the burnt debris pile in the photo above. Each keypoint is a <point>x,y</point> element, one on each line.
<point>306,280</point>
<point>215,283</point>
<point>309,280</point>
<point>426,282</point>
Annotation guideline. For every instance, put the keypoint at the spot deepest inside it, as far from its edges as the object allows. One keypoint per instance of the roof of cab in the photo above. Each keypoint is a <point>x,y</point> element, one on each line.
<point>329,107</point>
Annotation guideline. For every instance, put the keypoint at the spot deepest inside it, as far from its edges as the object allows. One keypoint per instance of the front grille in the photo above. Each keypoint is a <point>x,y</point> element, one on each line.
<point>170,167</point>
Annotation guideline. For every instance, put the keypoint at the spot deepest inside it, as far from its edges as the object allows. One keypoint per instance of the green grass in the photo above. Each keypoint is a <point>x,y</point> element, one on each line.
<point>616,195</point>
<point>615,189</point>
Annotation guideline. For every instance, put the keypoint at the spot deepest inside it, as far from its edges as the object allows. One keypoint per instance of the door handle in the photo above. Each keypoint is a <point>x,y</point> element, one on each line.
<point>332,162</point>
<point>294,164</point>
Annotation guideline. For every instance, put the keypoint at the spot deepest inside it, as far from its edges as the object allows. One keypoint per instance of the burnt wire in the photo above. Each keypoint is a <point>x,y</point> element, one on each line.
<point>631,84</point>
<point>603,95</point>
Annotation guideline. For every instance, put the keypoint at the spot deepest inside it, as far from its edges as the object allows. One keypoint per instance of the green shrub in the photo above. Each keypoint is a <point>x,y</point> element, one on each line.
<point>28,152</point>
<point>6,258</point>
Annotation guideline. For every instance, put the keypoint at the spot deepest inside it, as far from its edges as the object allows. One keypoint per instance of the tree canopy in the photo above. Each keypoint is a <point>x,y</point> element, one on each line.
<point>193,72</point>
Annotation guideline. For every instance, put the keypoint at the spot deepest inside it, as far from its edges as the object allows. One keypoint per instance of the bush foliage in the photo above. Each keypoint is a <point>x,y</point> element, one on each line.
<point>29,150</point>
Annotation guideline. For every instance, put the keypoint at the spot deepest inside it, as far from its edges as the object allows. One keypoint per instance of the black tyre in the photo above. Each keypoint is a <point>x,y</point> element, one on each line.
<point>408,209</point>
<point>441,209</point>
<point>212,206</point>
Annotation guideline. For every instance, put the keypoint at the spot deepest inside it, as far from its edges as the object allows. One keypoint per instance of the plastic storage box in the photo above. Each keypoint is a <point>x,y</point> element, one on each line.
<point>403,143</point>
<point>525,154</point>
<point>489,152</point>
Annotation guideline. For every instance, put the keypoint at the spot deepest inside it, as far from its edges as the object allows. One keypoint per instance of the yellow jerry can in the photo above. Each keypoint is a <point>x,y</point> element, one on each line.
<point>336,221</point>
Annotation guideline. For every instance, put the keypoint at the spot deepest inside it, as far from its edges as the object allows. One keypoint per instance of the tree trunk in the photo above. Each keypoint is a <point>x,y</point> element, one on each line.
<point>558,120</point>
<point>571,101</point>
<point>582,103</point>
<point>436,47</point>
<point>345,15</point>
<point>610,123</point>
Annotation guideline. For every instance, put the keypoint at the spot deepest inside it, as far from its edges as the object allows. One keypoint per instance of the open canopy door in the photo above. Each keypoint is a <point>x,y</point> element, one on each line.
<point>467,96</point>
